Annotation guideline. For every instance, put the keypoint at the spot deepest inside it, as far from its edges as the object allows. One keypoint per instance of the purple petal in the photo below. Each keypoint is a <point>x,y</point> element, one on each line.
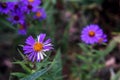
<point>47,48</point>
<point>22,32</point>
<point>30,56</point>
<point>41,37</point>
<point>38,57</point>
<point>34,57</point>
<point>47,41</point>
<point>48,44</point>
<point>28,51</point>
<point>27,47</point>
<point>30,40</point>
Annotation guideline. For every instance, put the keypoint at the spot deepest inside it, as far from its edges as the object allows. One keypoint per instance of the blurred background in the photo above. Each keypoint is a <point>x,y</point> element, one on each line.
<point>64,22</point>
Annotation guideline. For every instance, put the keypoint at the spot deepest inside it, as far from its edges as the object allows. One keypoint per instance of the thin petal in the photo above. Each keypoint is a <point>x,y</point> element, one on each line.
<point>30,56</point>
<point>44,54</point>
<point>35,54</point>
<point>47,47</point>
<point>38,56</point>
<point>47,41</point>
<point>28,51</point>
<point>41,37</point>
<point>48,44</point>
<point>30,40</point>
<point>41,55</point>
<point>27,47</point>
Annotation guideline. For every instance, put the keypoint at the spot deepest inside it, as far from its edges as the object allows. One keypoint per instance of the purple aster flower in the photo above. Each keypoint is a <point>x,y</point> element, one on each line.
<point>40,14</point>
<point>16,17</point>
<point>22,29</point>
<point>5,7</point>
<point>16,6</point>
<point>30,5</point>
<point>35,49</point>
<point>92,34</point>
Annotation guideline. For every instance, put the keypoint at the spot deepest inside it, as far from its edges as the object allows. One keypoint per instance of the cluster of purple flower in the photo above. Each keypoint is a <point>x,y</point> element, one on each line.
<point>17,11</point>
<point>35,49</point>
<point>92,34</point>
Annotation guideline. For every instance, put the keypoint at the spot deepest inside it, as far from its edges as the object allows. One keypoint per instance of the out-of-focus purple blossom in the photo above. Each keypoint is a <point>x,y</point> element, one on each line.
<point>92,34</point>
<point>22,29</point>
<point>30,5</point>
<point>35,49</point>
<point>16,6</point>
<point>16,17</point>
<point>40,14</point>
<point>5,7</point>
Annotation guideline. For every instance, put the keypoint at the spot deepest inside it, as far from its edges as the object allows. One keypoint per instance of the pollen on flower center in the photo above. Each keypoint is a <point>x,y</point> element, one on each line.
<point>91,33</point>
<point>31,1</point>
<point>38,14</point>
<point>38,46</point>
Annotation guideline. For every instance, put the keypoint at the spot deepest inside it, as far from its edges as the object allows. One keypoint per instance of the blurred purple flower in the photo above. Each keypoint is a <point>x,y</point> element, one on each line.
<point>40,14</point>
<point>22,29</point>
<point>35,49</point>
<point>16,6</point>
<point>30,5</point>
<point>16,17</point>
<point>92,34</point>
<point>5,7</point>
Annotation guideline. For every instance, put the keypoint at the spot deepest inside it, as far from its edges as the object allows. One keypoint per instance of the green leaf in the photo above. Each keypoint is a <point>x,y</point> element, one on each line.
<point>21,54</point>
<point>84,47</point>
<point>7,24</point>
<point>55,67</point>
<point>83,58</point>
<point>18,74</point>
<point>56,70</point>
<point>23,65</point>
<point>110,47</point>
<point>36,75</point>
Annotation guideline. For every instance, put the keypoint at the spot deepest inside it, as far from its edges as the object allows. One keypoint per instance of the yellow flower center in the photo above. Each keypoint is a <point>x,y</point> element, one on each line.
<point>30,1</point>
<point>38,46</point>
<point>91,33</point>
<point>38,14</point>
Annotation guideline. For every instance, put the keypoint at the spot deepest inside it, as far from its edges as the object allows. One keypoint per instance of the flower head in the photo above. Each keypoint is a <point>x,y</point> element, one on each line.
<point>16,17</point>
<point>40,14</point>
<point>5,7</point>
<point>30,5</point>
<point>35,49</point>
<point>92,34</point>
<point>22,29</point>
<point>16,6</point>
